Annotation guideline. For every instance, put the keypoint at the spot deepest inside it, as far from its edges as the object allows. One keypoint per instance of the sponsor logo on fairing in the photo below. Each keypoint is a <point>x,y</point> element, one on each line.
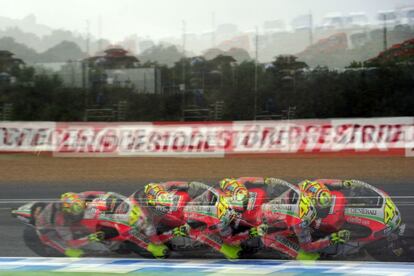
<point>362,211</point>
<point>357,220</point>
<point>287,207</point>
<point>203,210</point>
<point>278,208</point>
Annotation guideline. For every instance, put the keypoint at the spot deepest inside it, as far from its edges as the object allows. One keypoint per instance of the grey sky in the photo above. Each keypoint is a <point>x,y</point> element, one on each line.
<point>159,18</point>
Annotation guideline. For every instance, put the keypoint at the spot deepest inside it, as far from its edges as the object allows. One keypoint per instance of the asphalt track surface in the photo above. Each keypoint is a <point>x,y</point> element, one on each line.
<point>15,194</point>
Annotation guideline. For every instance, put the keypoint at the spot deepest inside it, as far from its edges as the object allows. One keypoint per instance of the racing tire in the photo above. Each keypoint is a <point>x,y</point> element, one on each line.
<point>187,247</point>
<point>399,250</point>
<point>137,250</point>
<point>384,251</point>
<point>251,247</point>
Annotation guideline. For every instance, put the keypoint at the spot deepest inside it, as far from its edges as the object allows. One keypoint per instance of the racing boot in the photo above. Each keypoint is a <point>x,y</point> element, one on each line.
<point>74,252</point>
<point>159,251</point>
<point>307,256</point>
<point>231,252</point>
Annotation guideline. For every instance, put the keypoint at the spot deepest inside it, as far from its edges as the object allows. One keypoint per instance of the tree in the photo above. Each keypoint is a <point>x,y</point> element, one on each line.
<point>239,54</point>
<point>162,55</point>
<point>20,50</point>
<point>62,52</point>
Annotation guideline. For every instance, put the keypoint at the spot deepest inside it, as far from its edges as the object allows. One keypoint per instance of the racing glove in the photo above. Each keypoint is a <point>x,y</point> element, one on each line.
<point>258,231</point>
<point>340,237</point>
<point>96,237</point>
<point>181,231</point>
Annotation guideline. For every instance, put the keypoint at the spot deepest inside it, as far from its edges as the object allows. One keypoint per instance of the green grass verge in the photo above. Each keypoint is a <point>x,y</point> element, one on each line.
<point>45,273</point>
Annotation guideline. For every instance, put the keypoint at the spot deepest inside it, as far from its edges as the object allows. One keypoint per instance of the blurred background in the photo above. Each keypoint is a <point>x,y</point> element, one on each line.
<point>183,61</point>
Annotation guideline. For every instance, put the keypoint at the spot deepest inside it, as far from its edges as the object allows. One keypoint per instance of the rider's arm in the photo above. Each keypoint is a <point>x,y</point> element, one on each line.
<point>316,245</point>
<point>77,243</point>
<point>46,229</point>
<point>62,241</point>
<point>303,233</point>
<point>55,232</point>
<point>52,239</point>
<point>65,230</point>
<point>239,236</point>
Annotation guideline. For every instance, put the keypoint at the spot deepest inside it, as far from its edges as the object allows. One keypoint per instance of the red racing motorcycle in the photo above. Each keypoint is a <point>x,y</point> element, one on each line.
<point>119,227</point>
<point>373,220</point>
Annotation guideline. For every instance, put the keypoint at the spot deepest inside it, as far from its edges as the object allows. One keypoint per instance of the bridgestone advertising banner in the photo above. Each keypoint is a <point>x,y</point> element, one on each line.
<point>384,136</point>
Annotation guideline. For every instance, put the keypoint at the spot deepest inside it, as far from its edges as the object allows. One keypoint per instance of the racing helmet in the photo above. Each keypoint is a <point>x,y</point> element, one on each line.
<point>225,210</point>
<point>236,193</point>
<point>318,192</point>
<point>157,195</point>
<point>72,203</point>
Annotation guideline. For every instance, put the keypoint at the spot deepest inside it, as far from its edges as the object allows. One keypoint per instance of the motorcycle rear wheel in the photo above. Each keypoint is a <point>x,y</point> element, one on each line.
<point>394,251</point>
<point>398,250</point>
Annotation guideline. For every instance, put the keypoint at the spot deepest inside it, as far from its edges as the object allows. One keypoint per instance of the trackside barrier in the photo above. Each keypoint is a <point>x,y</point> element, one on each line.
<point>384,136</point>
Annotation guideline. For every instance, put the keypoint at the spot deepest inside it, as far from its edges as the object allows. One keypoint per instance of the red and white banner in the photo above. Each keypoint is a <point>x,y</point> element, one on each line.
<point>386,136</point>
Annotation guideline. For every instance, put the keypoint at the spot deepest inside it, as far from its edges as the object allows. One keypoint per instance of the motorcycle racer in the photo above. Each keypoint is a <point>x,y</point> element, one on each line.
<point>210,217</point>
<point>329,204</point>
<point>236,230</point>
<point>203,212</point>
<point>246,199</point>
<point>291,213</point>
<point>163,203</point>
<point>349,200</point>
<point>59,226</point>
<point>235,214</point>
<point>236,218</point>
<point>112,208</point>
